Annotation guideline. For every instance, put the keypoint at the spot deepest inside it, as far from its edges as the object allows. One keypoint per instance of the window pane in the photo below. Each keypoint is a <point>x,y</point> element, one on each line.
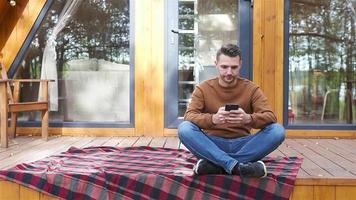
<point>322,62</point>
<point>204,25</point>
<point>93,64</point>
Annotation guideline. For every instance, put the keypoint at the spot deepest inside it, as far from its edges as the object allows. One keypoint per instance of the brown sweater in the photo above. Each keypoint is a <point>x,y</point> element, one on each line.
<point>209,96</point>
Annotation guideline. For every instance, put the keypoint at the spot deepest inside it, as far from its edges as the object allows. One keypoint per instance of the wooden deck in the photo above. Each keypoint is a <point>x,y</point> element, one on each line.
<point>328,170</point>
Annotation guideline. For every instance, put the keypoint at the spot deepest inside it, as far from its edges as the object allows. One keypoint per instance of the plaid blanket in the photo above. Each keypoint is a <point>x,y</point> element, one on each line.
<point>146,173</point>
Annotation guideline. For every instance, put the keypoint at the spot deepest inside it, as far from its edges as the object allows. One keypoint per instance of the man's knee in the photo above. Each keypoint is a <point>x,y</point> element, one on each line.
<point>277,131</point>
<point>186,129</point>
<point>280,132</point>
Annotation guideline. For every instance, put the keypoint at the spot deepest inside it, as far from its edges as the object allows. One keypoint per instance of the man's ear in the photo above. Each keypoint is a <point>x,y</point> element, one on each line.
<point>216,63</point>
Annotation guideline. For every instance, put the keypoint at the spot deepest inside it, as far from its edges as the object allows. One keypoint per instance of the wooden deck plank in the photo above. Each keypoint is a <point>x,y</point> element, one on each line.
<point>142,141</point>
<point>333,145</point>
<point>128,141</point>
<point>21,156</point>
<point>324,163</point>
<point>172,142</point>
<point>97,141</point>
<point>13,150</point>
<point>82,142</point>
<point>335,158</point>
<point>316,153</point>
<point>349,142</point>
<point>310,167</point>
<point>16,142</point>
<point>314,180</point>
<point>53,146</point>
<point>344,147</point>
<point>158,142</point>
<point>114,141</point>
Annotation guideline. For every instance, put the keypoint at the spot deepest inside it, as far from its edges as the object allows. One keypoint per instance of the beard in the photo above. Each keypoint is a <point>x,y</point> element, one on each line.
<point>229,79</point>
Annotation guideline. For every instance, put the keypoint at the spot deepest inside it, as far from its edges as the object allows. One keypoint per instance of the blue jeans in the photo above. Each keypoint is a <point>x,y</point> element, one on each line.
<point>227,152</point>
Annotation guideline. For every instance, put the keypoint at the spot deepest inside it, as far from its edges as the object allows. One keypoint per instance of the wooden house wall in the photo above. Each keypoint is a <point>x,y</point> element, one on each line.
<point>268,50</point>
<point>14,191</point>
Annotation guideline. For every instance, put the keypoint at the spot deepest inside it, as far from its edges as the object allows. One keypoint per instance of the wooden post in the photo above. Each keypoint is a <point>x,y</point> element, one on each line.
<point>3,114</point>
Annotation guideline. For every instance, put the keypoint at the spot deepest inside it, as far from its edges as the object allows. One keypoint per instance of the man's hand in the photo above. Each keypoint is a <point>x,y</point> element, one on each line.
<point>221,116</point>
<point>238,117</point>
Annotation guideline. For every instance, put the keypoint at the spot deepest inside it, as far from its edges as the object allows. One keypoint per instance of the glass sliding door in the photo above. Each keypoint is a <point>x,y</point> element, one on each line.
<point>196,30</point>
<point>322,64</point>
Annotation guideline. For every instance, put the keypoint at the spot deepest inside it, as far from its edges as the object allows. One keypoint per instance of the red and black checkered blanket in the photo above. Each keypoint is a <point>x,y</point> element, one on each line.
<point>146,173</point>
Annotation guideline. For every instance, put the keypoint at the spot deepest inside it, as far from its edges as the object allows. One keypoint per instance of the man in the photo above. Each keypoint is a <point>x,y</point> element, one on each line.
<point>221,139</point>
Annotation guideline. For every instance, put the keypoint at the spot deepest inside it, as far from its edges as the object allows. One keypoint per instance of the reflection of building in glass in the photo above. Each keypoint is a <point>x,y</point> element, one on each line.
<point>203,27</point>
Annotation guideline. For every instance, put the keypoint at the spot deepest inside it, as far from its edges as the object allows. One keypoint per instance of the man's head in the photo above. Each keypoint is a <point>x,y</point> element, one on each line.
<point>228,62</point>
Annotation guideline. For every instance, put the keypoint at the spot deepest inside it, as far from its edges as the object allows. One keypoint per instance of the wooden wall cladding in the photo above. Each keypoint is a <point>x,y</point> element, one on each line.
<point>149,68</point>
<point>14,191</point>
<point>268,32</point>
<point>15,26</point>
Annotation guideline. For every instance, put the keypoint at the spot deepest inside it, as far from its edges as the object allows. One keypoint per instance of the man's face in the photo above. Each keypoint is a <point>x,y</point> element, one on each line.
<point>229,69</point>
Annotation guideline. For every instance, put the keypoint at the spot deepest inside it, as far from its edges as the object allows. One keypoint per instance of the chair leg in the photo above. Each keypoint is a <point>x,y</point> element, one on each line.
<point>13,125</point>
<point>44,127</point>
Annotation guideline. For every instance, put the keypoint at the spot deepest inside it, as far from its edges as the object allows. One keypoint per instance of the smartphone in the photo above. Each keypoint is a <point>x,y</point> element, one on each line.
<point>229,107</point>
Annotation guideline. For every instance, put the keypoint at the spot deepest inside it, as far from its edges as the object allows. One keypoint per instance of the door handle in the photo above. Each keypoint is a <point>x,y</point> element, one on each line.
<point>175,31</point>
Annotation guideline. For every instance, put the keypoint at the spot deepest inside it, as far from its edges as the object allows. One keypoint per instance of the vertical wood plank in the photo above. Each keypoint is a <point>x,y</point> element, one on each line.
<point>28,193</point>
<point>268,50</point>
<point>142,62</point>
<point>302,192</point>
<point>47,197</point>
<point>324,192</point>
<point>9,190</point>
<point>345,192</point>
<point>257,41</point>
<point>149,71</point>
<point>268,72</point>
<point>279,66</point>
<point>3,115</point>
<point>155,81</point>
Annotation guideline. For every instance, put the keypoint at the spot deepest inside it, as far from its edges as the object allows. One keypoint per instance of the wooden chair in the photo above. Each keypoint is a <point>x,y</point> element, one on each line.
<point>9,103</point>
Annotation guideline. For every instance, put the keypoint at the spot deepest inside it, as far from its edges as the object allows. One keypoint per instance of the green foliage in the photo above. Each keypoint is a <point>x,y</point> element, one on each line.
<point>321,52</point>
<point>99,29</point>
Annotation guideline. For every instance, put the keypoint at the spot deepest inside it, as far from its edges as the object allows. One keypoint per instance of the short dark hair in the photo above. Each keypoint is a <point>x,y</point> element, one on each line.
<point>231,50</point>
